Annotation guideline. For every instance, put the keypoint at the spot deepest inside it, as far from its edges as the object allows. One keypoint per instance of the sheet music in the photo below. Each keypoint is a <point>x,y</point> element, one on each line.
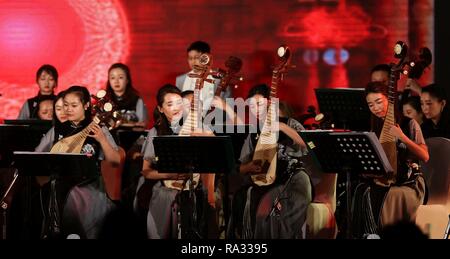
<point>360,150</point>
<point>380,151</point>
<point>376,144</point>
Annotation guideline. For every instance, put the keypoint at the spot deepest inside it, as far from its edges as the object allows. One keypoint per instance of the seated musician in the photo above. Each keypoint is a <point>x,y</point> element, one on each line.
<point>436,109</point>
<point>375,205</point>
<point>160,199</point>
<point>286,218</point>
<point>120,87</point>
<point>45,108</point>
<point>83,203</point>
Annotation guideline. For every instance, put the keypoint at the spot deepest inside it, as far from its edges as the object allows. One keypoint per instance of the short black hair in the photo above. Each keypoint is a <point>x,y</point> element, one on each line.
<point>261,89</point>
<point>381,67</point>
<point>199,46</point>
<point>186,92</point>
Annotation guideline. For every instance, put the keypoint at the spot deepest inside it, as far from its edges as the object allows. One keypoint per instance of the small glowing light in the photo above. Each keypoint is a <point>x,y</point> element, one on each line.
<point>281,51</point>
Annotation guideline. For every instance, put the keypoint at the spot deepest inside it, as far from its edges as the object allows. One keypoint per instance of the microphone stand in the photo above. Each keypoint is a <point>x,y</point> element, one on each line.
<point>447,231</point>
<point>4,204</point>
<point>292,168</point>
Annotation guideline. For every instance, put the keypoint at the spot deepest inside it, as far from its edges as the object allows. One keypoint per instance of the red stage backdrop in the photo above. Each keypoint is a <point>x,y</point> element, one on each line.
<point>335,43</point>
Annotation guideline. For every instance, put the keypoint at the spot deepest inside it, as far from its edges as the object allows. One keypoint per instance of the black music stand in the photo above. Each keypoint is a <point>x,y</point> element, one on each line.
<point>346,106</point>
<point>238,135</point>
<point>127,137</point>
<point>20,135</point>
<point>193,154</point>
<point>32,122</point>
<point>349,153</point>
<point>54,165</point>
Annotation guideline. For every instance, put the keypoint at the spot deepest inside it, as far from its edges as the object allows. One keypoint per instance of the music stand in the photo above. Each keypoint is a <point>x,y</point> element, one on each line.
<point>346,106</point>
<point>193,154</point>
<point>4,204</point>
<point>20,135</point>
<point>32,122</point>
<point>349,153</point>
<point>238,134</point>
<point>186,154</point>
<point>126,138</point>
<point>54,165</point>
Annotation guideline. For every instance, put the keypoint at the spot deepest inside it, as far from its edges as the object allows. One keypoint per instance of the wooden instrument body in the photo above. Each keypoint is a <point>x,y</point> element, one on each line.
<point>387,140</point>
<point>73,144</point>
<point>414,69</point>
<point>267,146</point>
<point>191,124</point>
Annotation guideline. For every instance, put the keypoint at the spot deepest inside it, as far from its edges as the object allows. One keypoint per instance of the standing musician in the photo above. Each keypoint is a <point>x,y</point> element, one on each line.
<point>47,80</point>
<point>287,198</point>
<point>83,203</point>
<point>185,83</point>
<point>120,87</point>
<point>160,199</point>
<point>376,206</point>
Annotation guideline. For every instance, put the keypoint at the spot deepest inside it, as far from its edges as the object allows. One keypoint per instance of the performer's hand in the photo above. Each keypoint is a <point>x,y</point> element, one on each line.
<point>218,103</point>
<point>282,126</point>
<point>253,167</point>
<point>97,133</point>
<point>413,85</point>
<point>396,131</point>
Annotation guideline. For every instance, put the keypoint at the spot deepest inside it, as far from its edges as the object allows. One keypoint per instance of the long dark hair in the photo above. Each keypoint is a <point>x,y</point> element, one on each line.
<point>162,124</point>
<point>55,118</point>
<point>49,69</point>
<point>440,94</point>
<point>414,102</point>
<point>376,124</point>
<point>131,95</point>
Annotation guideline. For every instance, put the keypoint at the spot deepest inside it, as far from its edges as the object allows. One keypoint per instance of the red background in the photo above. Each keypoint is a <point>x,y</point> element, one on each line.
<point>82,38</point>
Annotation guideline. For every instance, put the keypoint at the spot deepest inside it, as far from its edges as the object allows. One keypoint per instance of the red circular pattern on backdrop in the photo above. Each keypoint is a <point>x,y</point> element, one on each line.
<point>80,38</point>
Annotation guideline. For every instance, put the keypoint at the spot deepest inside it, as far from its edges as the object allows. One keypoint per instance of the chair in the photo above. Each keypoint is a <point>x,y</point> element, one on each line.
<point>112,176</point>
<point>432,218</point>
<point>320,220</point>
